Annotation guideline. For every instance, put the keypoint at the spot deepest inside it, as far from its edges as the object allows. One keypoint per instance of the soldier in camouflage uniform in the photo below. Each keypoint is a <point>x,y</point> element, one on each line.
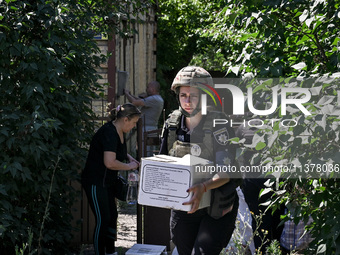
<point>187,130</point>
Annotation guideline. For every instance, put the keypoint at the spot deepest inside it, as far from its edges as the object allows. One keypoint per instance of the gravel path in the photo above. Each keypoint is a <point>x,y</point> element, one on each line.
<point>127,227</point>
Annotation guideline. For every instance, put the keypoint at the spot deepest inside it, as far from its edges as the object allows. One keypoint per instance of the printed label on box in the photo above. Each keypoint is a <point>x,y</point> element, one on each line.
<point>165,180</point>
<point>161,180</point>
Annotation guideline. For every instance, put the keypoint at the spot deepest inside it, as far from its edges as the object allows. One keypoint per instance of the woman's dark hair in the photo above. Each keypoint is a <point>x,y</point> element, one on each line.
<point>126,110</point>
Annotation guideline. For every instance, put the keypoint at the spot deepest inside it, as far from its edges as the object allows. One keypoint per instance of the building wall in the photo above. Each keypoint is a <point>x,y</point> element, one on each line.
<point>136,55</point>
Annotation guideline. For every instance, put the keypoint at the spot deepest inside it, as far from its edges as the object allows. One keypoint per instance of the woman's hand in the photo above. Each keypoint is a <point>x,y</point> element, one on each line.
<point>131,159</point>
<point>133,162</point>
<point>198,190</point>
<point>133,165</point>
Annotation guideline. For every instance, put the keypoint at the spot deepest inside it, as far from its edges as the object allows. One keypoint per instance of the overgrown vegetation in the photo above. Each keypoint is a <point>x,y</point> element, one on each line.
<point>310,148</point>
<point>274,39</point>
<point>48,79</point>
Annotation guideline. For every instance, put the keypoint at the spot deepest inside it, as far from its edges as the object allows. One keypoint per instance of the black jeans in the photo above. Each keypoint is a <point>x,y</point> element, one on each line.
<point>198,233</point>
<point>103,205</point>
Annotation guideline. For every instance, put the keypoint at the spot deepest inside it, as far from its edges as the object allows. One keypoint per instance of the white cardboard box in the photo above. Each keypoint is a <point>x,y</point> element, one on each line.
<point>164,181</point>
<point>146,249</point>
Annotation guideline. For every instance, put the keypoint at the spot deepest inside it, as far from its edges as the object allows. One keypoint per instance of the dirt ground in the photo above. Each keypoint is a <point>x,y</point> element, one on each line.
<point>127,228</point>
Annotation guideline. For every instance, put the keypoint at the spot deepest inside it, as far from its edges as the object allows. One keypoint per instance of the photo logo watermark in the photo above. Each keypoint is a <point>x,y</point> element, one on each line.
<point>239,99</point>
<point>273,124</point>
<point>277,96</point>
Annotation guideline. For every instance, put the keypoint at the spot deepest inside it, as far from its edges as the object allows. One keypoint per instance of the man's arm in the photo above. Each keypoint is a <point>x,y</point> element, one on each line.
<point>133,99</point>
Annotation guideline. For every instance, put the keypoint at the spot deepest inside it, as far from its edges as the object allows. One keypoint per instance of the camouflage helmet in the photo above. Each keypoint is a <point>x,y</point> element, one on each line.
<point>192,76</point>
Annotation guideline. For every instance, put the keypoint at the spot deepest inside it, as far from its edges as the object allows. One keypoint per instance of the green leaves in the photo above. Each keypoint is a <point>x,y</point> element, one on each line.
<point>312,148</point>
<point>260,146</point>
<point>48,80</point>
<point>294,32</point>
<point>272,39</point>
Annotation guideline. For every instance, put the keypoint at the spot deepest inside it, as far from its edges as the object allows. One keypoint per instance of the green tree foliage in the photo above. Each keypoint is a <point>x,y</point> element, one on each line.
<point>271,39</point>
<point>277,38</point>
<point>176,41</point>
<point>48,79</point>
<point>297,39</point>
<point>176,33</point>
<point>307,152</point>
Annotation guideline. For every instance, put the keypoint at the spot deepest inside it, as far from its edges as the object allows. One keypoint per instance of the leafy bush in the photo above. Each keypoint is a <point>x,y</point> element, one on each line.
<point>275,38</point>
<point>269,39</point>
<point>48,79</point>
<point>311,150</point>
